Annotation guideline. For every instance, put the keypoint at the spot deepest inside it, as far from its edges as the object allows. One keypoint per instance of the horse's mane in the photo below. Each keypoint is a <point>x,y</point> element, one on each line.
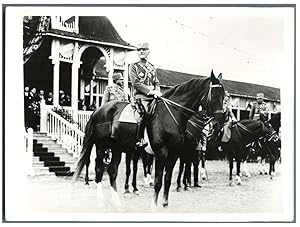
<point>181,89</point>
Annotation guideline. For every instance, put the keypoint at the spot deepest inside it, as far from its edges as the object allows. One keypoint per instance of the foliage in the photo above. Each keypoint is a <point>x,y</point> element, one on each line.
<point>64,114</point>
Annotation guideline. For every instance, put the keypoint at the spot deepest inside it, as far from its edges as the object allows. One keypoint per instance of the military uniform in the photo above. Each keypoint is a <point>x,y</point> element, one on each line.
<point>113,92</point>
<point>143,77</point>
<point>259,111</point>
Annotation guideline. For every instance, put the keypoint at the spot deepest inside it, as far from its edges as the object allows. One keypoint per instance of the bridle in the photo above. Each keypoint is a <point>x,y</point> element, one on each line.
<point>208,97</point>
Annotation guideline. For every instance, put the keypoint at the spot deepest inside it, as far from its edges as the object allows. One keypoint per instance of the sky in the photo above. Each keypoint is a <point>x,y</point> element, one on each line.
<point>243,46</point>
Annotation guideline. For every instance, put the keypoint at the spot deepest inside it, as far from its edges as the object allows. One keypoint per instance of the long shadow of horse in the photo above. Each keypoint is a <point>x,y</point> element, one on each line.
<point>165,131</point>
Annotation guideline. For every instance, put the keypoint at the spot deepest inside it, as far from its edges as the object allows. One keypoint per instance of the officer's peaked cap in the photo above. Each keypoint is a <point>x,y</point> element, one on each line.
<point>260,96</point>
<point>143,46</point>
<point>117,76</point>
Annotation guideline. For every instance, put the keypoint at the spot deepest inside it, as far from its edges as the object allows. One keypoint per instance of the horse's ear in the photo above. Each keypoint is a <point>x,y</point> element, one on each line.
<point>220,77</point>
<point>212,75</point>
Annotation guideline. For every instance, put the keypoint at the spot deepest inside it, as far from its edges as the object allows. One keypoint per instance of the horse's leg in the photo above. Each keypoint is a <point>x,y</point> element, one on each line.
<point>203,171</point>
<point>149,171</point>
<point>264,166</point>
<point>238,171</point>
<point>86,178</point>
<point>181,166</point>
<point>128,170</point>
<point>99,170</point>
<point>159,168</point>
<point>145,164</point>
<point>230,158</point>
<point>187,175</point>
<point>245,168</point>
<point>135,167</point>
<point>168,177</point>
<point>113,173</point>
<point>196,173</point>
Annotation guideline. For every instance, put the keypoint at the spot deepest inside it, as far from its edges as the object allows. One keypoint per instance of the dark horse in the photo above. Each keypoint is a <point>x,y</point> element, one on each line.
<point>243,133</point>
<point>165,130</point>
<point>193,135</point>
<point>262,148</point>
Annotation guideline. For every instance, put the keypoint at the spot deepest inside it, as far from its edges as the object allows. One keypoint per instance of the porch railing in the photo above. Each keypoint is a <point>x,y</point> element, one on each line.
<point>83,115</point>
<point>60,129</point>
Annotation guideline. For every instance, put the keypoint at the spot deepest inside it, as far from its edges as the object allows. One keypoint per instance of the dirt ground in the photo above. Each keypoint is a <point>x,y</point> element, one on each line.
<point>258,194</point>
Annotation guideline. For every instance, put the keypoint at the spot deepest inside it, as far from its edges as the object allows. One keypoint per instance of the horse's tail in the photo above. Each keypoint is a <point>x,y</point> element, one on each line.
<point>85,154</point>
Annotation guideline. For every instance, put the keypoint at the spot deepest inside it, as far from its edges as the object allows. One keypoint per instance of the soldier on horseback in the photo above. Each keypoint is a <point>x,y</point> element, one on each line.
<point>229,118</point>
<point>115,91</point>
<point>259,110</point>
<point>145,85</point>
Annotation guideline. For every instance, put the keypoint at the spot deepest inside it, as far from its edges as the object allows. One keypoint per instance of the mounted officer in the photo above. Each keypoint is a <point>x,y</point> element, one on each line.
<point>115,91</point>
<point>228,117</point>
<point>145,85</point>
<point>259,110</point>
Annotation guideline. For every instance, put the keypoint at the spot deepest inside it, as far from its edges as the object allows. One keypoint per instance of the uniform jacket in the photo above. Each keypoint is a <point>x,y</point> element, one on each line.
<point>258,111</point>
<point>113,92</point>
<point>143,78</point>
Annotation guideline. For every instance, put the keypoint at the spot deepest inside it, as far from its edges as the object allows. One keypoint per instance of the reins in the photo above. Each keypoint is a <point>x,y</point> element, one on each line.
<point>168,102</point>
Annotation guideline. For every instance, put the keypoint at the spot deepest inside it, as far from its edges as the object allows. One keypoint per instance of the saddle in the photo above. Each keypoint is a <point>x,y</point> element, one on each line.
<point>225,137</point>
<point>132,112</point>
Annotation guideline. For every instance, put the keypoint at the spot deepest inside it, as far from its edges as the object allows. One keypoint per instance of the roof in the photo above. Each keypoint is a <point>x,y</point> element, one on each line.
<point>98,29</point>
<point>170,78</point>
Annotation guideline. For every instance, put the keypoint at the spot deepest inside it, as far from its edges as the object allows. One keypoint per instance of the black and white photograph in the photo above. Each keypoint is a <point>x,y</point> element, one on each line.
<point>149,113</point>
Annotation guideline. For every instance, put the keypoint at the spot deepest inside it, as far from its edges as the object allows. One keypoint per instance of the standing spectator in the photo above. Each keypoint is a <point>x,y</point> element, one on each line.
<point>68,100</point>
<point>93,106</point>
<point>81,104</point>
<point>41,95</point>
<point>62,98</point>
<point>33,109</point>
<point>26,105</point>
<point>49,100</point>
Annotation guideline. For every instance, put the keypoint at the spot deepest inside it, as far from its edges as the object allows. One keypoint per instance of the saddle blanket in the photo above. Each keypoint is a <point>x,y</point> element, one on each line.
<point>129,115</point>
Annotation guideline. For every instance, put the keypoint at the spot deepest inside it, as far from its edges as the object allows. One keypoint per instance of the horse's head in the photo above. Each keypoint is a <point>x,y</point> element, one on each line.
<point>215,102</point>
<point>272,140</point>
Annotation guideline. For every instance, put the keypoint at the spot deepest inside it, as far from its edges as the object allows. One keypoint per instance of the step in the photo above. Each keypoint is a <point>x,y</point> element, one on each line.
<point>58,168</point>
<point>40,133</point>
<point>64,173</point>
<point>43,154</point>
<point>54,163</point>
<point>52,145</point>
<point>42,171</point>
<point>49,158</point>
<point>40,149</point>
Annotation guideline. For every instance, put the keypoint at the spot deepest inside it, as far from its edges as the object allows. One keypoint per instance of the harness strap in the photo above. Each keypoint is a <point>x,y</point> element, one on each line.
<point>176,122</point>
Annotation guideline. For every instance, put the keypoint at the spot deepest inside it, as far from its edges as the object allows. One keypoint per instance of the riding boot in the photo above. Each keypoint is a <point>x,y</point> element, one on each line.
<point>140,134</point>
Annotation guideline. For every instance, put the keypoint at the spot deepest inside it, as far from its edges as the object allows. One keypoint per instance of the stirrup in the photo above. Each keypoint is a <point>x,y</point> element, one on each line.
<point>141,144</point>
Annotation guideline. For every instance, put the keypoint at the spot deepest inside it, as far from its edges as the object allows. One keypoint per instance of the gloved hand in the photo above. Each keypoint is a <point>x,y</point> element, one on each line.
<point>155,93</point>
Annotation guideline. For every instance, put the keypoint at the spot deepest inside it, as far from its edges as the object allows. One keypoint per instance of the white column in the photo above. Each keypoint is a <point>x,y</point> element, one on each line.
<point>55,62</point>
<point>111,67</point>
<point>74,81</point>
<point>126,76</point>
<point>43,119</point>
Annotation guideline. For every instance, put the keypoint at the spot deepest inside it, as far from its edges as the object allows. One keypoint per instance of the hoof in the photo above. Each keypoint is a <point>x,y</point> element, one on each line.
<point>197,186</point>
<point>178,189</point>
<point>127,191</point>
<point>186,188</point>
<point>231,183</point>
<point>165,204</point>
<point>86,183</point>
<point>136,192</point>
